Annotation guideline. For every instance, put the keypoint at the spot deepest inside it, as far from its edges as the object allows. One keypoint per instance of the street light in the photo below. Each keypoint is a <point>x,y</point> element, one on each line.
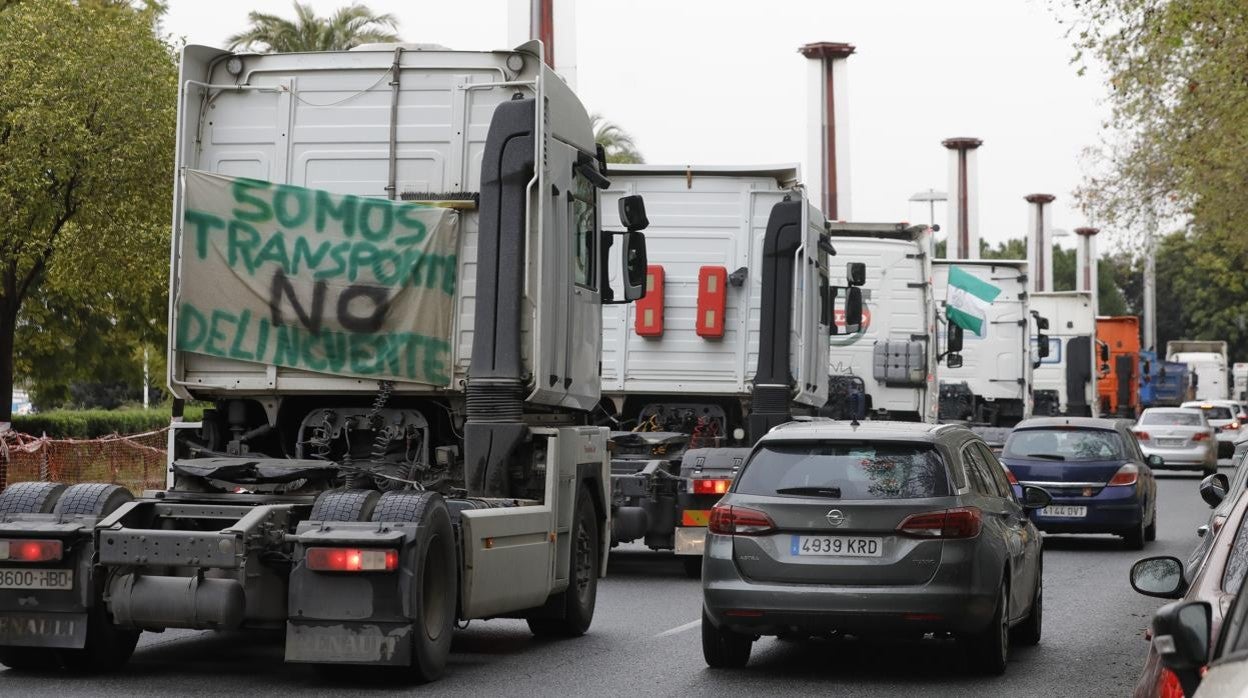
<point>931,196</point>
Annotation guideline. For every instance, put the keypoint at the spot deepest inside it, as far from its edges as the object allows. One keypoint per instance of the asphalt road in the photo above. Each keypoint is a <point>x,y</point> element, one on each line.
<point>645,641</point>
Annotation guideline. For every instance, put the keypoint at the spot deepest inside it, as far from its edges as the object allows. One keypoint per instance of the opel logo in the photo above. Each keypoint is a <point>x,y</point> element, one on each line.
<point>835,517</point>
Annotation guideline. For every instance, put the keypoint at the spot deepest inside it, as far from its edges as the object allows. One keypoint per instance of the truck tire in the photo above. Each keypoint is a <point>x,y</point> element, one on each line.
<point>435,574</point>
<point>344,505</point>
<point>30,497</point>
<point>91,499</point>
<point>575,605</point>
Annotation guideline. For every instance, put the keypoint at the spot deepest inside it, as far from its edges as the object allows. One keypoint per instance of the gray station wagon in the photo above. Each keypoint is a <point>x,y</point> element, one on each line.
<point>886,528</point>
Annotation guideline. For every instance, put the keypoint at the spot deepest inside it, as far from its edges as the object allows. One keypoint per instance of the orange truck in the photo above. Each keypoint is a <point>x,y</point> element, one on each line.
<point>1118,356</point>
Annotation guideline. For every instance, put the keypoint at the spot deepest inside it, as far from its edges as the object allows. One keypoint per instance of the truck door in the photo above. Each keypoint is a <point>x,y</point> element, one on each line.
<point>810,322</point>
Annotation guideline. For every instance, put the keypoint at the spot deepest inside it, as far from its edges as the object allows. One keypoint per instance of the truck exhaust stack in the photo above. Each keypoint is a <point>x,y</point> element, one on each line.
<point>963,235</point>
<point>1085,254</point>
<point>827,127</point>
<point>1040,242</point>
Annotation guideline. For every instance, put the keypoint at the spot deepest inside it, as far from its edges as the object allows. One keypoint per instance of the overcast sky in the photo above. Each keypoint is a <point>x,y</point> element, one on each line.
<point>721,82</point>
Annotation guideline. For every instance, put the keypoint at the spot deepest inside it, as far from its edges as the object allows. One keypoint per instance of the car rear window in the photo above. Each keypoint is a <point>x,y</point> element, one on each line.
<point>1178,419</point>
<point>1064,444</point>
<point>856,470</point>
<point>1218,412</point>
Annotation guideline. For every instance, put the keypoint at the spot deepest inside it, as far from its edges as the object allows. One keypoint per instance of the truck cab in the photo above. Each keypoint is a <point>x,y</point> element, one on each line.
<point>1064,380</point>
<point>1118,360</point>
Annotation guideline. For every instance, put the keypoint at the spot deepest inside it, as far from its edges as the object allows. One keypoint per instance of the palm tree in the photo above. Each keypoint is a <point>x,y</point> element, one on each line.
<point>347,28</point>
<point>615,140</point>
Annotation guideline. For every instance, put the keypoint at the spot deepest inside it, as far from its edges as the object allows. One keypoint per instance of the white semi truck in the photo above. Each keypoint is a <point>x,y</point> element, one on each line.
<point>387,276</point>
<point>730,340</point>
<point>1064,380</point>
<point>886,367</point>
<point>1208,362</point>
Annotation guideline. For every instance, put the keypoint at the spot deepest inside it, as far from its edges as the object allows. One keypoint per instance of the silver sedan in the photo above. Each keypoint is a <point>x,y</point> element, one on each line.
<point>1182,437</point>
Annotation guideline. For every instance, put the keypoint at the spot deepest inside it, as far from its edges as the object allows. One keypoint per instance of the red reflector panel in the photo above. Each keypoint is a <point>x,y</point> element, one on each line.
<point>352,560</point>
<point>30,550</point>
<point>649,319</point>
<point>712,297</point>
<point>711,486</point>
<point>695,517</point>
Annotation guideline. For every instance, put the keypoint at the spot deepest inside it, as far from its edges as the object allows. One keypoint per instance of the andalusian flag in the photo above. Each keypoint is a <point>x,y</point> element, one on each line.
<point>968,299</point>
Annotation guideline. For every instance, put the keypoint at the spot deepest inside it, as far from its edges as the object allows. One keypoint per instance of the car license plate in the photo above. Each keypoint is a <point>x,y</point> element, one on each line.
<point>1171,442</point>
<point>36,579</point>
<point>1066,512</point>
<point>843,546</point>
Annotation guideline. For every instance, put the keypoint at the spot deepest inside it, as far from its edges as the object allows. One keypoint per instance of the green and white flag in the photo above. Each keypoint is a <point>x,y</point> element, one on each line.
<point>968,299</point>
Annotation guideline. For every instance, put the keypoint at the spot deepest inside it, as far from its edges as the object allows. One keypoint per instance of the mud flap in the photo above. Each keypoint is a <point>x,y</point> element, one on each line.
<point>61,630</point>
<point>387,644</point>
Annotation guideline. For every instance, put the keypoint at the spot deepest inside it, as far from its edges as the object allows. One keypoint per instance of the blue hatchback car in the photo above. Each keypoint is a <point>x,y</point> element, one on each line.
<point>1100,480</point>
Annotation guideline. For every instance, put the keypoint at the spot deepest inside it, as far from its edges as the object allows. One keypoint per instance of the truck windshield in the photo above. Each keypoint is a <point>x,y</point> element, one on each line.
<point>1064,444</point>
<point>845,470</point>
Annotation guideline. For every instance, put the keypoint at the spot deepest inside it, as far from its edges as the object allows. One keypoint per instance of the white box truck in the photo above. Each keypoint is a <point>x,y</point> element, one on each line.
<point>1207,360</point>
<point>993,385</point>
<point>387,276</point>
<point>730,340</point>
<point>1064,381</point>
<point>886,368</point>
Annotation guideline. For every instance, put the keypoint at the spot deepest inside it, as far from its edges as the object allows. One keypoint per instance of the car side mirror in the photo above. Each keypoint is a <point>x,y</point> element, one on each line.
<point>1160,576</point>
<point>1213,489</point>
<point>856,273</point>
<point>1154,461</point>
<point>953,342</point>
<point>1181,637</point>
<point>953,361</point>
<point>853,309</point>
<point>1036,497</point>
<point>633,213</point>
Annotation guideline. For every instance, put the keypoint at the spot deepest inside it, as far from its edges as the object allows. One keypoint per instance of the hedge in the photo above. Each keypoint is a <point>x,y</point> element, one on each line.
<point>90,424</point>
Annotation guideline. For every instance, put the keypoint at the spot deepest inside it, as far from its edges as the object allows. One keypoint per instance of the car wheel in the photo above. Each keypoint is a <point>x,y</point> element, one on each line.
<point>989,650</point>
<point>1136,537</point>
<point>723,648</point>
<point>1027,633</point>
<point>1150,531</point>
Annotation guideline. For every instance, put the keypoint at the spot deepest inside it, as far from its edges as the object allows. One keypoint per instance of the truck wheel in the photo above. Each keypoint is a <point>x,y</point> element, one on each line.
<point>30,497</point>
<point>91,499</point>
<point>435,575</point>
<point>344,505</point>
<point>108,647</point>
<point>576,603</point>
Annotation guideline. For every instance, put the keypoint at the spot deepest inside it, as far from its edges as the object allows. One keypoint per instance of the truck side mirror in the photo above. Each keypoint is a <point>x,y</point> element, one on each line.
<point>853,308</point>
<point>633,215</point>
<point>1104,349</point>
<point>953,360</point>
<point>953,343</point>
<point>1042,323</point>
<point>633,262</point>
<point>856,273</point>
<point>1042,345</point>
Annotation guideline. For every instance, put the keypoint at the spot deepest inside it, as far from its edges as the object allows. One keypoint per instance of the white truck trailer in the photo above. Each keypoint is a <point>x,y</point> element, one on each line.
<point>387,275</point>
<point>1064,381</point>
<point>886,368</point>
<point>993,385</point>
<point>1208,362</point>
<point>730,340</point>
<point>1239,382</point>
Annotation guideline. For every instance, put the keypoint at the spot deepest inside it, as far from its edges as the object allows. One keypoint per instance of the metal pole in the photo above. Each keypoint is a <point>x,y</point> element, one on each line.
<point>1150,291</point>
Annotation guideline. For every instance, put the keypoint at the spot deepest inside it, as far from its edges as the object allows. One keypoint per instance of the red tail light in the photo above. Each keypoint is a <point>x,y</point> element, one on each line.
<point>1128,474</point>
<point>1231,427</point>
<point>739,521</point>
<point>1169,685</point>
<point>31,550</point>
<point>711,486</point>
<point>1201,436</point>
<point>1142,435</point>
<point>352,560</point>
<point>1009,475</point>
<point>963,522</point>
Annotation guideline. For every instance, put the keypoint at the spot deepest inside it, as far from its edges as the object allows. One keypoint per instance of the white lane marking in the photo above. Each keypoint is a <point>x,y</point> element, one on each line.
<point>681,628</point>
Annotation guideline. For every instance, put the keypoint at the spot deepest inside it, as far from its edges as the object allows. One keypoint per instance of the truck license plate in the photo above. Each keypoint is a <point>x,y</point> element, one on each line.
<point>841,546</point>
<point>1065,512</point>
<point>36,579</point>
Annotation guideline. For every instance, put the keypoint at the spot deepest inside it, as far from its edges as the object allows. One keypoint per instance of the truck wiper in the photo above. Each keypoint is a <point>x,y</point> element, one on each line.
<point>813,491</point>
<point>1047,456</point>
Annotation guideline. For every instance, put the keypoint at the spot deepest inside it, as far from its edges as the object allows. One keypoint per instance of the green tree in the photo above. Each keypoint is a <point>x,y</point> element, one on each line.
<point>87,105</point>
<point>347,28</point>
<point>617,142</point>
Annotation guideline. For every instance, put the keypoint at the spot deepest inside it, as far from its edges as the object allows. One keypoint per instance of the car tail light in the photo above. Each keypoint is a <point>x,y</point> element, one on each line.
<point>1201,436</point>
<point>1231,427</point>
<point>711,486</point>
<point>728,520</point>
<point>963,522</point>
<point>1009,475</point>
<point>1142,435</point>
<point>352,560</point>
<point>1128,474</point>
<point>31,550</point>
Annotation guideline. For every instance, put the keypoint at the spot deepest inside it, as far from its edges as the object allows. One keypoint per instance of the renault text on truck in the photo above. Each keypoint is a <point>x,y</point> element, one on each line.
<point>993,384</point>
<point>1064,380</point>
<point>387,274</point>
<point>730,340</point>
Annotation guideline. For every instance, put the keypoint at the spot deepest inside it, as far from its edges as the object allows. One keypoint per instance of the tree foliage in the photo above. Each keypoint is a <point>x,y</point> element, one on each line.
<point>347,28</point>
<point>87,104</point>
<point>617,142</point>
